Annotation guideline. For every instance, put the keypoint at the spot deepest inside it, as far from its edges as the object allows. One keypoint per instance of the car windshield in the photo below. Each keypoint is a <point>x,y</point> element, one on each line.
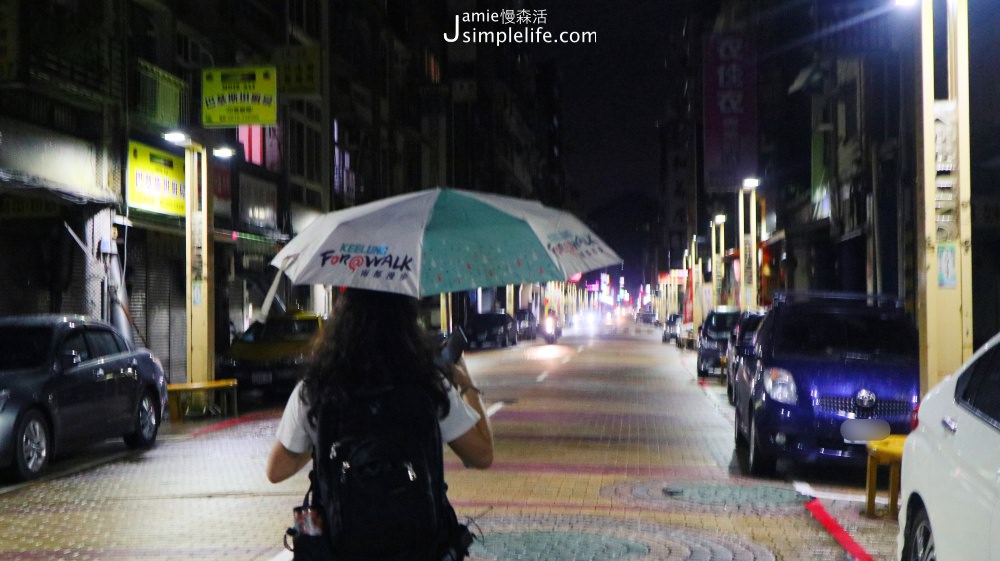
<point>24,347</point>
<point>817,332</point>
<point>281,329</point>
<point>719,326</point>
<point>748,327</point>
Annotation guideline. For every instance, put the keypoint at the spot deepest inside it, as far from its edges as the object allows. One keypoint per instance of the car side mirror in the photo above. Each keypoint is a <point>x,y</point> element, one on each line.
<point>69,359</point>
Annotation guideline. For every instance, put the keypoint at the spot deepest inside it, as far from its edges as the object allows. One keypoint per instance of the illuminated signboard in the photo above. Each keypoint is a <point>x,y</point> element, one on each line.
<point>239,96</point>
<point>155,180</point>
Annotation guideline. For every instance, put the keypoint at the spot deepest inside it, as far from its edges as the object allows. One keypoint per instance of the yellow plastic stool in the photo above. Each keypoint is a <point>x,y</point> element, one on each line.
<point>888,451</point>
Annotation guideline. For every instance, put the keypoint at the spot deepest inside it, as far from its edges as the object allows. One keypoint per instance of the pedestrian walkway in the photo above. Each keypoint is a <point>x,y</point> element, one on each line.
<point>616,461</point>
<point>606,450</point>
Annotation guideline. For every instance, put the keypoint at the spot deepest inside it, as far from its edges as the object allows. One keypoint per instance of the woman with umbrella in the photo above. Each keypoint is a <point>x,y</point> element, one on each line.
<point>375,338</point>
<point>374,396</point>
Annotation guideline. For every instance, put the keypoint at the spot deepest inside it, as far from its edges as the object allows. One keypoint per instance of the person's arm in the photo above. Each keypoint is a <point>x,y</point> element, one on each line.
<point>474,446</point>
<point>282,463</point>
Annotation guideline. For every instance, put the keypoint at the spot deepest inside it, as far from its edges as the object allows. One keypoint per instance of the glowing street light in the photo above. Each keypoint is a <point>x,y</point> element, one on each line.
<point>718,251</point>
<point>748,246</point>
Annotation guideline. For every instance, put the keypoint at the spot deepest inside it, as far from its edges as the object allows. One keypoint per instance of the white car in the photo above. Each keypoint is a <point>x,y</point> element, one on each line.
<point>950,487</point>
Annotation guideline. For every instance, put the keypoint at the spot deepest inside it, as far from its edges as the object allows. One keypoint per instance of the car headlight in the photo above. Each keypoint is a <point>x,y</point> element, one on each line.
<point>4,396</point>
<point>780,385</point>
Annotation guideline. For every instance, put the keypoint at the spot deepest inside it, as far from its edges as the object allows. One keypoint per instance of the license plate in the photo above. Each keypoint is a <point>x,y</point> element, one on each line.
<point>260,378</point>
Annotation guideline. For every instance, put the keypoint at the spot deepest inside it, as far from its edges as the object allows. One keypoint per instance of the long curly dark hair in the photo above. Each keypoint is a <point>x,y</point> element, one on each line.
<point>373,340</point>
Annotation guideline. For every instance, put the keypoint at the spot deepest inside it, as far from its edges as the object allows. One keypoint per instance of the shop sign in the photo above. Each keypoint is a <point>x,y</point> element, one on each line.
<point>219,180</point>
<point>239,96</point>
<point>155,180</point>
<point>299,70</point>
<point>730,111</point>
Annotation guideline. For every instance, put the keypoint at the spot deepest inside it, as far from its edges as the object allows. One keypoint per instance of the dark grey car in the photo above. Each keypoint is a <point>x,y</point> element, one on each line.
<point>713,340</point>
<point>740,345</point>
<point>70,380</point>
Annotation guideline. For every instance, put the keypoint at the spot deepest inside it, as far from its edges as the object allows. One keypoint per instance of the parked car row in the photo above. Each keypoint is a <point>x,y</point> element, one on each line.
<point>815,364</point>
<point>811,363</point>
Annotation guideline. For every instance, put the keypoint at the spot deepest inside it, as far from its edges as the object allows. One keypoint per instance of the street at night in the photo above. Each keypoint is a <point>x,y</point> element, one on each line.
<point>607,447</point>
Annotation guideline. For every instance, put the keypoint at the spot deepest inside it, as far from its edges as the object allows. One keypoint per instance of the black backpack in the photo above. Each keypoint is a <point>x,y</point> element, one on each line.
<point>378,474</point>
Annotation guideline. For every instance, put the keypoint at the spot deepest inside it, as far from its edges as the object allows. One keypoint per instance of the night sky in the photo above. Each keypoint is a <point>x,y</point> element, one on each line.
<point>613,97</point>
<point>613,94</point>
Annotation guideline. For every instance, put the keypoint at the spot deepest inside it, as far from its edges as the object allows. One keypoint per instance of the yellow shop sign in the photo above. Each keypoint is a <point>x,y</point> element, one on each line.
<point>155,180</point>
<point>239,96</point>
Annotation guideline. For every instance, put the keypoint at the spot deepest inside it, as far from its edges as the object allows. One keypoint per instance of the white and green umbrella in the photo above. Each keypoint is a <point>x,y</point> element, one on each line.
<point>442,240</point>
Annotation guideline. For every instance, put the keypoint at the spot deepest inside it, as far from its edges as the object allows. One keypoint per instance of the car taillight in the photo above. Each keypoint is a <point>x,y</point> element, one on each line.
<point>914,420</point>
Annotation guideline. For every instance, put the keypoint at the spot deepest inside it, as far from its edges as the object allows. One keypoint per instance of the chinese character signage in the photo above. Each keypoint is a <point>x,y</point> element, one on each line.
<point>155,180</point>
<point>299,70</point>
<point>239,96</point>
<point>730,112</point>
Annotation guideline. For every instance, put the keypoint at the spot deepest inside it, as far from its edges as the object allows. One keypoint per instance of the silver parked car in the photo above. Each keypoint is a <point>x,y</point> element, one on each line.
<point>70,380</point>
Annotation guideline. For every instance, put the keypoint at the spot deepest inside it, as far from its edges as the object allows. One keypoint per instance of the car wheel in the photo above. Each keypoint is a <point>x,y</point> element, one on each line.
<point>729,390</point>
<point>147,423</point>
<point>738,440</point>
<point>918,542</point>
<point>759,463</point>
<point>31,445</point>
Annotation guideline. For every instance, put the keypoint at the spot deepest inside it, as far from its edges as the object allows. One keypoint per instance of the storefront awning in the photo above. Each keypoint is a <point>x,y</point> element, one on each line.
<point>22,185</point>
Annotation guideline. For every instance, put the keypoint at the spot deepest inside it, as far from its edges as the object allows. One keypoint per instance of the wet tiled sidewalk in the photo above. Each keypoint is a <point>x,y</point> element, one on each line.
<point>605,450</point>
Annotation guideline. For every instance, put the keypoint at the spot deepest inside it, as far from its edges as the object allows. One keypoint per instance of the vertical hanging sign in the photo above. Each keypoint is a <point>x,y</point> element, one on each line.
<point>730,112</point>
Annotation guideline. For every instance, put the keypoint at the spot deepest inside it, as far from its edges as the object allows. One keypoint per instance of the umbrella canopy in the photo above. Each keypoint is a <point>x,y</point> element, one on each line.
<point>442,240</point>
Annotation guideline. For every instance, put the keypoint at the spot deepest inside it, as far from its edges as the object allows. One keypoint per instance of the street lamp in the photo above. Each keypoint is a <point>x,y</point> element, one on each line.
<point>200,258</point>
<point>718,251</point>
<point>748,246</point>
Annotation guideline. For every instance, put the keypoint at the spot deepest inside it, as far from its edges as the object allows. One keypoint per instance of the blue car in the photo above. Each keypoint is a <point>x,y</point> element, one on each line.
<point>817,361</point>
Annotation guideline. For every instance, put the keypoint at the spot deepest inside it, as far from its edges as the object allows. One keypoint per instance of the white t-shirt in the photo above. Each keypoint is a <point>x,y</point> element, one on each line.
<point>298,436</point>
